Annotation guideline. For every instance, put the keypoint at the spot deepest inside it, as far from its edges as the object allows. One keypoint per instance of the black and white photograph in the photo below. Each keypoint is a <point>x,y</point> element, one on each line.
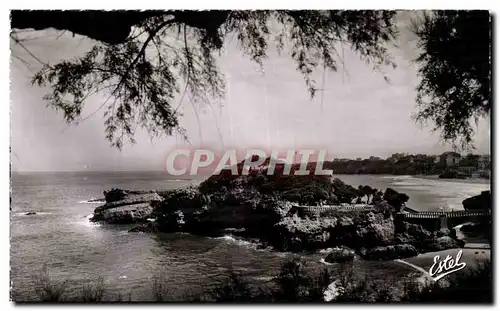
<point>271,156</point>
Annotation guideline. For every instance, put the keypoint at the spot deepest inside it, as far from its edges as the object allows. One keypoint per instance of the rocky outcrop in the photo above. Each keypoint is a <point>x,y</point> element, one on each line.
<point>126,197</point>
<point>123,206</point>
<point>267,208</point>
<point>390,252</point>
<point>411,233</point>
<point>179,210</point>
<point>472,228</point>
<point>340,255</point>
<point>259,205</point>
<point>443,232</point>
<point>376,229</point>
<point>149,227</point>
<point>130,200</point>
<point>452,175</point>
<point>295,234</point>
<point>442,243</point>
<point>124,214</point>
<point>355,229</point>
<point>478,202</point>
<point>424,240</point>
<point>303,189</point>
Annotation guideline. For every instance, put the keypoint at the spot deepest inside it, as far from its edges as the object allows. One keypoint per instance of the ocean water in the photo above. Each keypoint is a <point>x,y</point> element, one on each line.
<point>72,249</point>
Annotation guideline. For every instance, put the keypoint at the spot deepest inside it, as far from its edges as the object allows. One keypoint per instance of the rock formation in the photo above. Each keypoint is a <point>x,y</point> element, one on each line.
<point>390,252</point>
<point>267,208</point>
<point>478,202</point>
<point>124,206</point>
<point>340,255</point>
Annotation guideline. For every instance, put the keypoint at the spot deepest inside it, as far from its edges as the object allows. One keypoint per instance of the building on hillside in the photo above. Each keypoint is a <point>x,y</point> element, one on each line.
<point>449,158</point>
<point>395,157</point>
<point>341,160</point>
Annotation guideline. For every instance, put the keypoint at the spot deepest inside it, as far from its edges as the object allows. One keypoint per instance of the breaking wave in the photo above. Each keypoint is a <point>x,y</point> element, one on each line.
<point>232,239</point>
<point>93,201</point>
<point>322,260</point>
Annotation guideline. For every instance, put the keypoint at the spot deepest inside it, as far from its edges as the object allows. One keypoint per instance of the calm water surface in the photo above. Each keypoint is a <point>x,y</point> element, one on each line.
<point>61,237</point>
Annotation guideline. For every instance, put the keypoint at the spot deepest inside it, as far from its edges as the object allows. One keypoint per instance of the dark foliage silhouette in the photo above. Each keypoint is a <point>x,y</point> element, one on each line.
<point>142,74</point>
<point>454,71</point>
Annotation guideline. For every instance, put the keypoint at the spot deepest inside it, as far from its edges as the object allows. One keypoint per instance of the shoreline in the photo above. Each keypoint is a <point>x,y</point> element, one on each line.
<point>484,181</point>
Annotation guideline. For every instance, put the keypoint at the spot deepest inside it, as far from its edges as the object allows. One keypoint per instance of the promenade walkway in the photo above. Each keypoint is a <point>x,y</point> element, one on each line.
<point>408,213</point>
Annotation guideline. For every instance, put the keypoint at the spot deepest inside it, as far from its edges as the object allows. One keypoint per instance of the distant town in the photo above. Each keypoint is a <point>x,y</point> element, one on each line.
<point>447,165</point>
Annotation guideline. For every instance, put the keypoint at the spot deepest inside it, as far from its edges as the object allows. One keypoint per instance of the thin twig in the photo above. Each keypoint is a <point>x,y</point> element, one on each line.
<point>26,49</point>
<point>24,62</point>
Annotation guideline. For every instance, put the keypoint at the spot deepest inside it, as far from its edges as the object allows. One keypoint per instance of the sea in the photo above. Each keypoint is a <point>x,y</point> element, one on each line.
<point>60,240</point>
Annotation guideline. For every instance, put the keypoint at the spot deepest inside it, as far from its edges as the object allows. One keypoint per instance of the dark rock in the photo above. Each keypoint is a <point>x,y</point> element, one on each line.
<point>129,199</point>
<point>390,252</point>
<point>340,255</point>
<point>133,206</point>
<point>417,232</point>
<point>413,234</point>
<point>443,232</point>
<point>478,202</point>
<point>472,228</point>
<point>258,221</point>
<point>117,194</point>
<point>30,213</point>
<point>124,214</point>
<point>114,195</point>
<point>355,229</point>
<point>443,243</point>
<point>96,200</point>
<point>385,208</point>
<point>149,227</point>
<point>375,230</point>
<point>453,233</point>
<point>189,210</point>
<point>403,238</point>
<point>451,175</point>
<point>294,233</point>
<point>186,209</point>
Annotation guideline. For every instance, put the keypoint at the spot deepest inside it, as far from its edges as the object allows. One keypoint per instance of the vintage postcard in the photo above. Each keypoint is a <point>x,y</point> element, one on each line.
<point>271,156</point>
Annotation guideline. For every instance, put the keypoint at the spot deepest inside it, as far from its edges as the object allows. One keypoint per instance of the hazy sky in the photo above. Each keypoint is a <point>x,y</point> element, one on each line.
<point>360,113</point>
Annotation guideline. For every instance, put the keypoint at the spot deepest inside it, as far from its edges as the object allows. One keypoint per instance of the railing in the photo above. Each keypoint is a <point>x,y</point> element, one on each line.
<point>421,214</point>
<point>452,214</point>
<point>324,209</point>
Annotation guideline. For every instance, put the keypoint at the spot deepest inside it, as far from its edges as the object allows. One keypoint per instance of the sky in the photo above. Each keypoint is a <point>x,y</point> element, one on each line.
<point>358,114</point>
